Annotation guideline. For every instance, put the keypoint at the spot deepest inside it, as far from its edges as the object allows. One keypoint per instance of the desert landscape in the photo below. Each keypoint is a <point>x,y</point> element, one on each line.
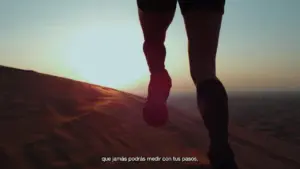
<point>49,122</point>
<point>274,113</point>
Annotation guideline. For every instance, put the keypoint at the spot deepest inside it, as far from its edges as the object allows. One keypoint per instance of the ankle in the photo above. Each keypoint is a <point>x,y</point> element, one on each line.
<point>222,157</point>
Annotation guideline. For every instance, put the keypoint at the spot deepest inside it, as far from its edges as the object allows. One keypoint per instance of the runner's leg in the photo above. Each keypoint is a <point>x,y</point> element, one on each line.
<point>203,21</point>
<point>155,17</point>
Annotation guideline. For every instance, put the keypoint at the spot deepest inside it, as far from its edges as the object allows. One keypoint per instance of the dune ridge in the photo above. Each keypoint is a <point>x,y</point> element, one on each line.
<point>53,122</point>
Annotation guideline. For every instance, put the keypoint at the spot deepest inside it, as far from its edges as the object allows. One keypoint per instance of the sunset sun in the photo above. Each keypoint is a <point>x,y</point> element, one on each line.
<point>107,56</point>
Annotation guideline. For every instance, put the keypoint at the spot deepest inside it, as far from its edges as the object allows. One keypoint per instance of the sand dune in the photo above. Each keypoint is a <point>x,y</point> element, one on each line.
<point>48,122</point>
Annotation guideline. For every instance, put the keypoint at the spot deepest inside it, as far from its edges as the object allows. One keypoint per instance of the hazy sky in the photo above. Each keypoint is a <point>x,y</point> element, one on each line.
<point>100,41</point>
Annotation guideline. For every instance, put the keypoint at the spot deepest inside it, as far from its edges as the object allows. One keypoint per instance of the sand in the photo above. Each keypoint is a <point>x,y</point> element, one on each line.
<point>50,122</point>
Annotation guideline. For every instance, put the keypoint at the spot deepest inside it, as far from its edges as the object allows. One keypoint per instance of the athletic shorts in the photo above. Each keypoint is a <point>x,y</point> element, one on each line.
<point>185,5</point>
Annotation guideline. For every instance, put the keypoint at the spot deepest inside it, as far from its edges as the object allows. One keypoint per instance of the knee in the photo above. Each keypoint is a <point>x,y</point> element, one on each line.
<point>202,68</point>
<point>153,46</point>
<point>202,75</point>
<point>193,76</point>
<point>155,39</point>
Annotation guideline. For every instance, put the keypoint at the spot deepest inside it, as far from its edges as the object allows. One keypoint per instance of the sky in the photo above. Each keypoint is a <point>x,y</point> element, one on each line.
<point>100,41</point>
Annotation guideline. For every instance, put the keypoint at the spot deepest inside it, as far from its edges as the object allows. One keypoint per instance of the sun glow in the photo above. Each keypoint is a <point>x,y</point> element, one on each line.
<point>108,56</point>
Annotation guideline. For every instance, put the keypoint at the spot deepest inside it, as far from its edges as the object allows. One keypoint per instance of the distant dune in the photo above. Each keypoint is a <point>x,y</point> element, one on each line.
<point>48,122</point>
<point>275,113</point>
